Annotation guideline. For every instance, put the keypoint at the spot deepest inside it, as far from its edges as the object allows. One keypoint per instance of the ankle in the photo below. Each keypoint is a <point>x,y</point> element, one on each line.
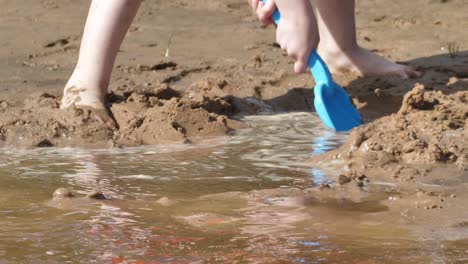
<point>335,51</point>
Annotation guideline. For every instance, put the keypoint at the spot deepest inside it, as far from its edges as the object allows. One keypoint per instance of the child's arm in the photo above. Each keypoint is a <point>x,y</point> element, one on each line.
<point>297,32</point>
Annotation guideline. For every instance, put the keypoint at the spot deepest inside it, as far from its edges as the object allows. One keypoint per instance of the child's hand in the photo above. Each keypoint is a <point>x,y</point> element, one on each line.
<point>297,31</point>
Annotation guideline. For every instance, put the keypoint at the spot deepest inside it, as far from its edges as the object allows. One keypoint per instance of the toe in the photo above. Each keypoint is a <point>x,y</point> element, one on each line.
<point>411,72</point>
<point>105,116</point>
<point>406,72</point>
<point>101,114</point>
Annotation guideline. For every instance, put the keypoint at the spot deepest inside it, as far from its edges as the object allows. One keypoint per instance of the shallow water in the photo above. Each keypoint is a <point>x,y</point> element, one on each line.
<point>222,212</point>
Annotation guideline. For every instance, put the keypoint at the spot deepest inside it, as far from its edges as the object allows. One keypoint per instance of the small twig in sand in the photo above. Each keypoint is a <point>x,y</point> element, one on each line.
<point>169,42</point>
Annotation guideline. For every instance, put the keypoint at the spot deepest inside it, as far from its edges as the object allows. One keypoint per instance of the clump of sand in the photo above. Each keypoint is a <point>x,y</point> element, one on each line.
<point>427,133</point>
<point>160,115</point>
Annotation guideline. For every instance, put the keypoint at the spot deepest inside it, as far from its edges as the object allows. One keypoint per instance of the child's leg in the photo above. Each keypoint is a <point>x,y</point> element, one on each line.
<point>106,26</point>
<point>338,45</point>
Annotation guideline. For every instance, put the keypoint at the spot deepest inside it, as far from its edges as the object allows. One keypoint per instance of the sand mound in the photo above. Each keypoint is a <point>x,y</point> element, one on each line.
<point>141,117</point>
<point>427,133</point>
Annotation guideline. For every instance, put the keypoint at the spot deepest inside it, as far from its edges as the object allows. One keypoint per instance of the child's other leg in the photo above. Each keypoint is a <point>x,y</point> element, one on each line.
<point>106,26</point>
<point>338,45</point>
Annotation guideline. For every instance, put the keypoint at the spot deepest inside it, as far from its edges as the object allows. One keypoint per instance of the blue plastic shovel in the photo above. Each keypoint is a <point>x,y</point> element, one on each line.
<point>331,102</point>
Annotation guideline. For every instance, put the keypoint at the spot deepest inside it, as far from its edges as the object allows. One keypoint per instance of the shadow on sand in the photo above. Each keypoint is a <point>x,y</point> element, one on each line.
<point>375,96</point>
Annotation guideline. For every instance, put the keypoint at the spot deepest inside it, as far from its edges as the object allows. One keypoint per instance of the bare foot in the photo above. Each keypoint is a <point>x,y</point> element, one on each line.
<point>364,63</point>
<point>85,99</point>
<point>80,96</point>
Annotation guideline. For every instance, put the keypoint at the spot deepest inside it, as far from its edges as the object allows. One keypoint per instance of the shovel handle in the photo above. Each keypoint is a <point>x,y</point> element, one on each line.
<point>317,66</point>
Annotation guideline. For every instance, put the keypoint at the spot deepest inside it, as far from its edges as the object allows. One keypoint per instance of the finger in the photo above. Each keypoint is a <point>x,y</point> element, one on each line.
<point>264,11</point>
<point>254,4</point>
<point>269,7</point>
<point>260,13</point>
<point>300,66</point>
<point>302,60</point>
<point>269,21</point>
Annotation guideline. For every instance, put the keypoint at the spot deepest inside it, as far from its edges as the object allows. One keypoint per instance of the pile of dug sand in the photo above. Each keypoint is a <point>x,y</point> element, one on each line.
<point>140,117</point>
<point>425,138</point>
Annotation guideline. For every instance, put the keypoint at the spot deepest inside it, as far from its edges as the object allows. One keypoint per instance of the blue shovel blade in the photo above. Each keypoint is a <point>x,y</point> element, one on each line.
<point>334,107</point>
<point>331,102</point>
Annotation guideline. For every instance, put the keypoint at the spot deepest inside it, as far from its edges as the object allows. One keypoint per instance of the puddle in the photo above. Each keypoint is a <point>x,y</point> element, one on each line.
<point>198,204</point>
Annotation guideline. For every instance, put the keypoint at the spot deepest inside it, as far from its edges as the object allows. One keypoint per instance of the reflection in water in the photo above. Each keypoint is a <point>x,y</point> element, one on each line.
<point>319,177</point>
<point>323,143</point>
<point>228,200</point>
